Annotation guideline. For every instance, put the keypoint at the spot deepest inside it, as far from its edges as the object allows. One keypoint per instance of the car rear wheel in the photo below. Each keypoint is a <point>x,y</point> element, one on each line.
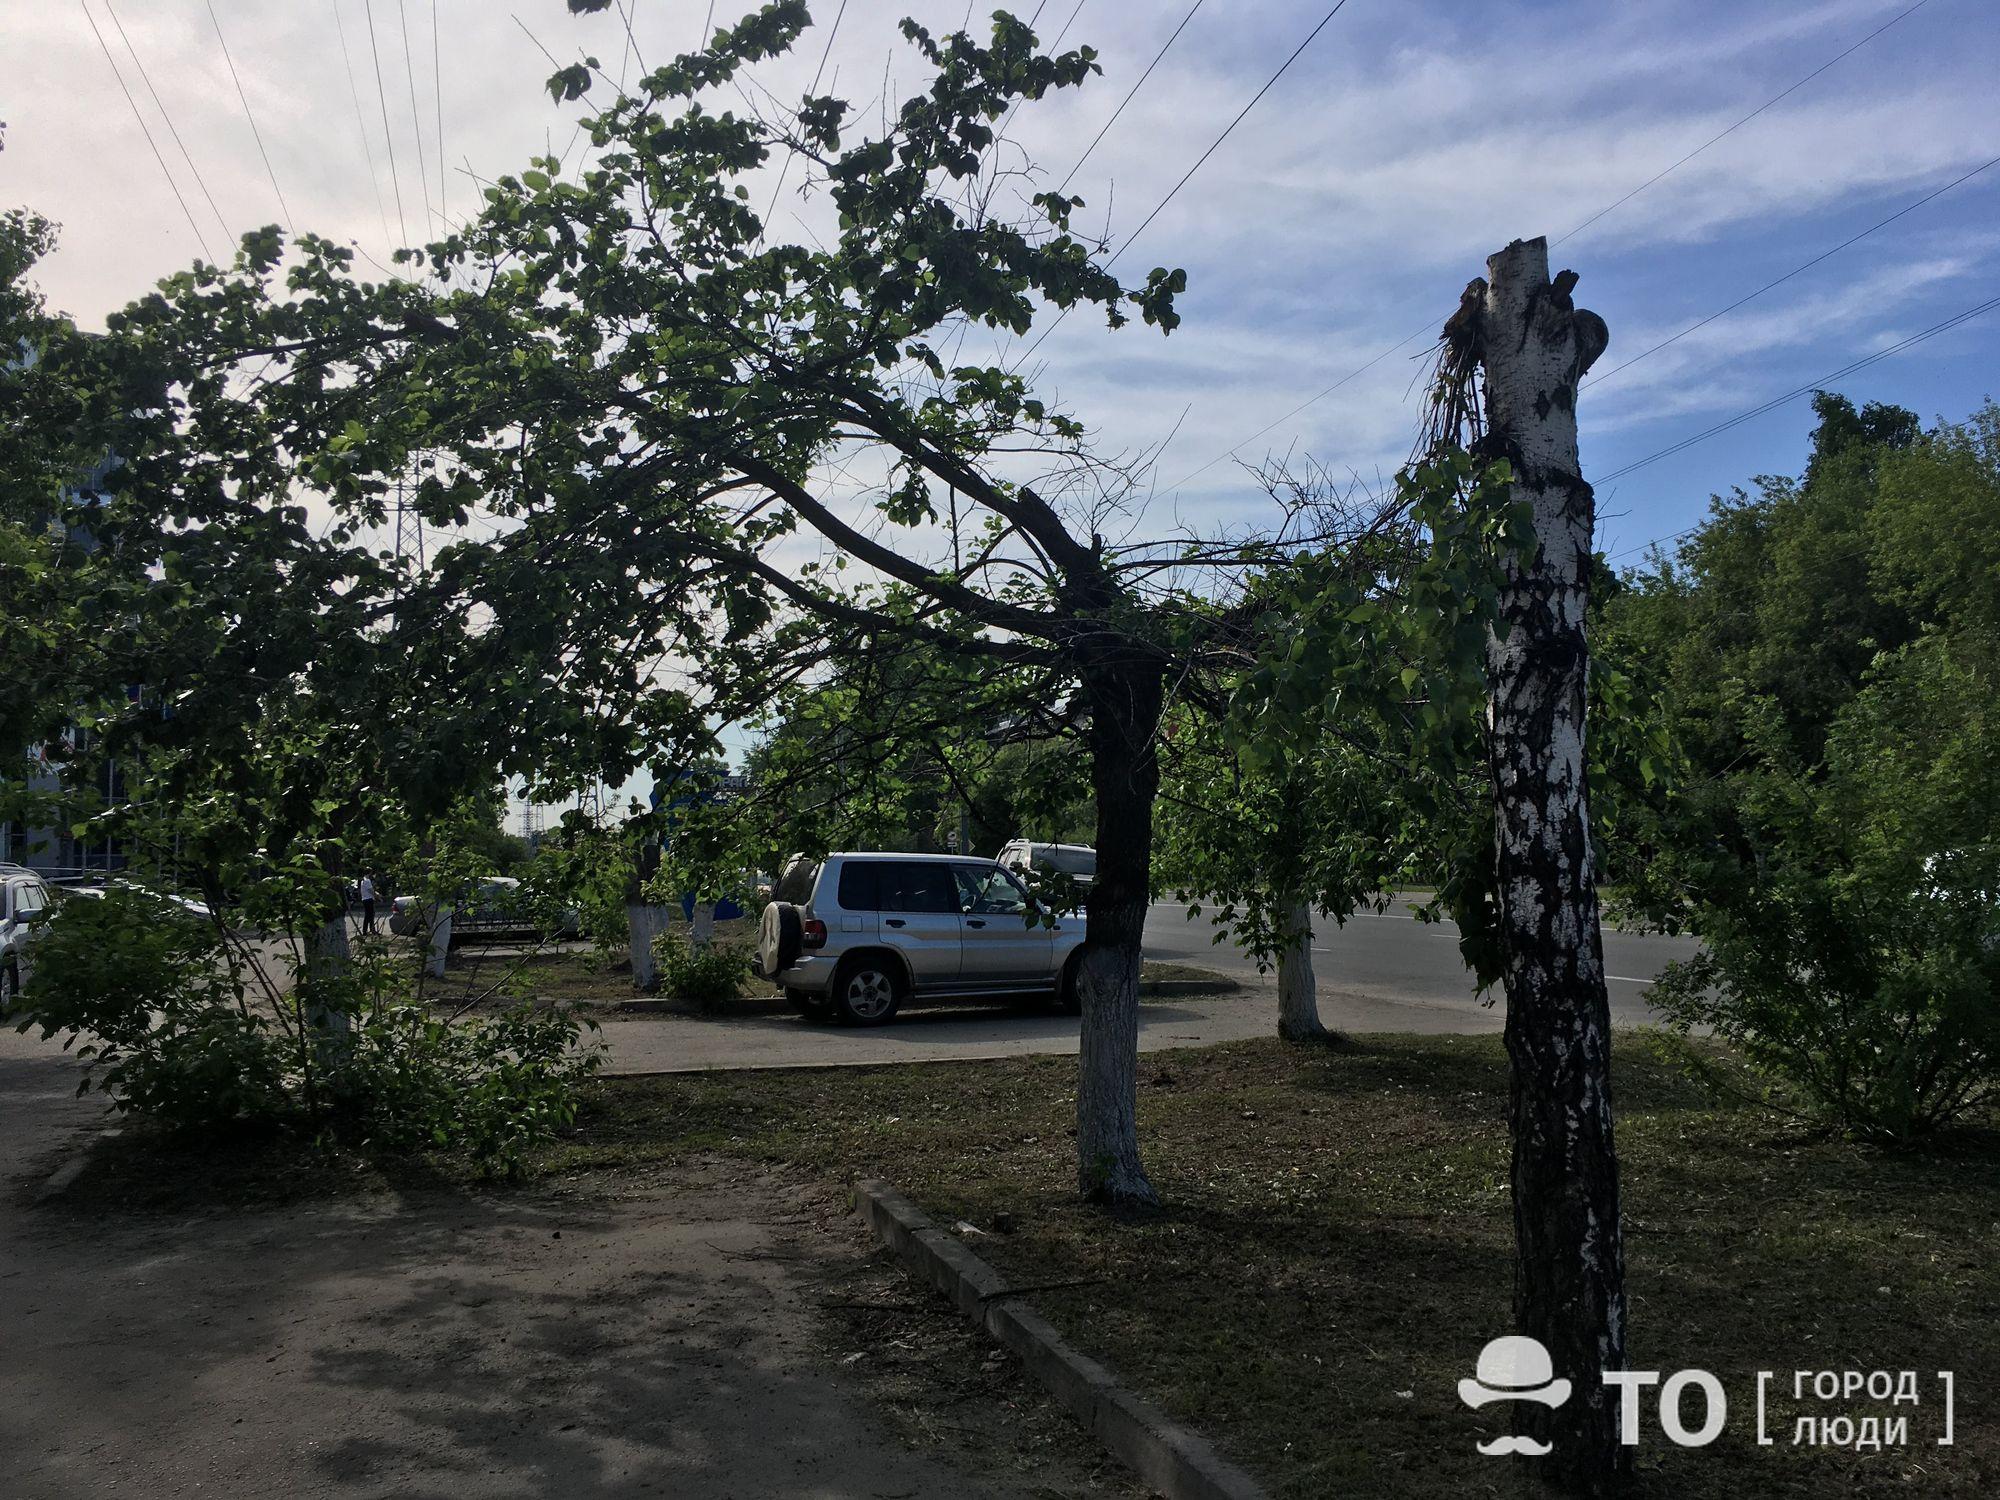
<point>867,991</point>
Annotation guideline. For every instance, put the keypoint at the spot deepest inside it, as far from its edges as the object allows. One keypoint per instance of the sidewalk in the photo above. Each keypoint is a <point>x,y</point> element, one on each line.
<point>591,1339</point>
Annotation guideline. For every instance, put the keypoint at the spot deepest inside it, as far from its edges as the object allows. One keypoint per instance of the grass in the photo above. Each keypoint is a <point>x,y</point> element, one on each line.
<point>1336,1246</point>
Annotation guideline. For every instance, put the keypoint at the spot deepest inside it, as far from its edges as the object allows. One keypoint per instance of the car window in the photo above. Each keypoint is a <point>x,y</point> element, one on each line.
<point>1078,862</point>
<point>796,883</point>
<point>915,887</point>
<point>31,899</point>
<point>860,885</point>
<point>988,890</point>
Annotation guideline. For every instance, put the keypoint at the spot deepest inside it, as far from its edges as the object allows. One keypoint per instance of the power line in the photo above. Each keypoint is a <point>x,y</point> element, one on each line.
<point>1804,266</point>
<point>1815,385</point>
<point>1768,103</point>
<point>437,96</point>
<point>825,52</point>
<point>161,105</point>
<point>388,136</point>
<point>1213,147</point>
<point>256,134</point>
<point>1128,97</point>
<point>1409,338</point>
<point>416,119</point>
<point>147,129</point>
<point>360,121</point>
<point>1269,84</point>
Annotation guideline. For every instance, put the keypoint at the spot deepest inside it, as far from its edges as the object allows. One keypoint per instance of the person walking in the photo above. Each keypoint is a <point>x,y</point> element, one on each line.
<point>367,894</point>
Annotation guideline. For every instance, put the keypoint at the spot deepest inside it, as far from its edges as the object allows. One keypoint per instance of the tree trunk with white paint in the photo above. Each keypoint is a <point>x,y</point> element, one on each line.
<point>440,942</point>
<point>1569,1274</point>
<point>645,923</point>
<point>1298,993</point>
<point>1125,699</point>
<point>328,959</point>
<point>701,926</point>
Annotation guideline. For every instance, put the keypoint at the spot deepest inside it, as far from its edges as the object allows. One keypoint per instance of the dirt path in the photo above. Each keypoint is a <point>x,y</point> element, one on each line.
<point>673,1339</point>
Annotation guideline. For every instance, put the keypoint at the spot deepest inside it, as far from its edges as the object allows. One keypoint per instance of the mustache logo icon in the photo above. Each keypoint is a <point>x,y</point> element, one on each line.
<point>1514,1369</point>
<point>1504,1445</point>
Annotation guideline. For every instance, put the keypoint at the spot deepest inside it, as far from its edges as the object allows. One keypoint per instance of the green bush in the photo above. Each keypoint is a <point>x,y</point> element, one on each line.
<point>1857,958</point>
<point>166,1029</point>
<point>706,976</point>
<point>174,1031</point>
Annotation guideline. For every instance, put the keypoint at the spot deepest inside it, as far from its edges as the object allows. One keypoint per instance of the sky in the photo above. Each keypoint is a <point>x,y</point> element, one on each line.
<point>1343,214</point>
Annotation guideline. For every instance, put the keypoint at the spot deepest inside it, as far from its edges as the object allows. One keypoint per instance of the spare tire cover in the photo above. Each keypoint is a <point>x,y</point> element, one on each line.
<point>780,938</point>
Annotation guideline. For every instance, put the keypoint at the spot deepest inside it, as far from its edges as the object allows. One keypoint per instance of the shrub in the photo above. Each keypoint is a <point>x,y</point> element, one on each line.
<point>1855,955</point>
<point>706,976</point>
<point>173,1033</point>
<point>167,1030</point>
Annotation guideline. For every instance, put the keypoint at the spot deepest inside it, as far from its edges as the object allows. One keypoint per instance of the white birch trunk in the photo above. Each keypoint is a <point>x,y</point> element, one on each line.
<point>440,942</point>
<point>1298,994</point>
<point>644,924</point>
<point>1569,1284</point>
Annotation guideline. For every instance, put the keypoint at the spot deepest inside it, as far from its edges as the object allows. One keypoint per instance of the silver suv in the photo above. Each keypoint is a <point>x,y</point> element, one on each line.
<point>853,936</point>
<point>24,898</point>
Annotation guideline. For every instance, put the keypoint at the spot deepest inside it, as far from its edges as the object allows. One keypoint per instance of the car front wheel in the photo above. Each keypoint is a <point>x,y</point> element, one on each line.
<point>867,992</point>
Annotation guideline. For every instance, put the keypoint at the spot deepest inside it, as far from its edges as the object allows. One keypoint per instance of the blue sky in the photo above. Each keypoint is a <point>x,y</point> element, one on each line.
<point>1346,212</point>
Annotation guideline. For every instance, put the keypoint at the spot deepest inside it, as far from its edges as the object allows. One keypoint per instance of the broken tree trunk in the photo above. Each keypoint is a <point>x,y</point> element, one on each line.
<point>1569,1273</point>
<point>1298,996</point>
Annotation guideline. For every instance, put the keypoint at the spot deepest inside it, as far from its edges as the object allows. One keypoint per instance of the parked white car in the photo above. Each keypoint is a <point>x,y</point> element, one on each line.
<point>492,906</point>
<point>853,936</point>
<point>1038,864</point>
<point>24,897</point>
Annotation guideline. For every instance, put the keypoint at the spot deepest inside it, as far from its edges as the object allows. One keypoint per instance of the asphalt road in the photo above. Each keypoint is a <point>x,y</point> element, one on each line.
<point>1391,956</point>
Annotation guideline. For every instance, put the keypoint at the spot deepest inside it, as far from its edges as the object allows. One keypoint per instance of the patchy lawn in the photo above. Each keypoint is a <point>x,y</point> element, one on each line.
<point>1337,1248</point>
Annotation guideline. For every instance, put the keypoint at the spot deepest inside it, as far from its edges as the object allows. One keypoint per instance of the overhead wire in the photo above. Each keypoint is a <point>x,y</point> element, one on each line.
<point>388,136</point>
<point>416,119</point>
<point>437,99</point>
<point>1809,387</point>
<point>1428,325</point>
<point>360,120</point>
<point>1731,130</point>
<point>1105,128</point>
<point>1185,177</point>
<point>147,130</point>
<point>160,104</point>
<point>825,52</point>
<point>1795,270</point>
<point>249,114</point>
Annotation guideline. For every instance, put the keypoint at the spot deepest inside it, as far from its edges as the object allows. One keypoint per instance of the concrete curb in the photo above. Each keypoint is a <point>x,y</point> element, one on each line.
<point>1176,1462</point>
<point>60,1180</point>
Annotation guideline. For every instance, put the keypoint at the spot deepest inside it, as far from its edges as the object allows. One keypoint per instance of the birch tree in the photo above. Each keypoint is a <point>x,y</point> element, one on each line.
<point>1532,345</point>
